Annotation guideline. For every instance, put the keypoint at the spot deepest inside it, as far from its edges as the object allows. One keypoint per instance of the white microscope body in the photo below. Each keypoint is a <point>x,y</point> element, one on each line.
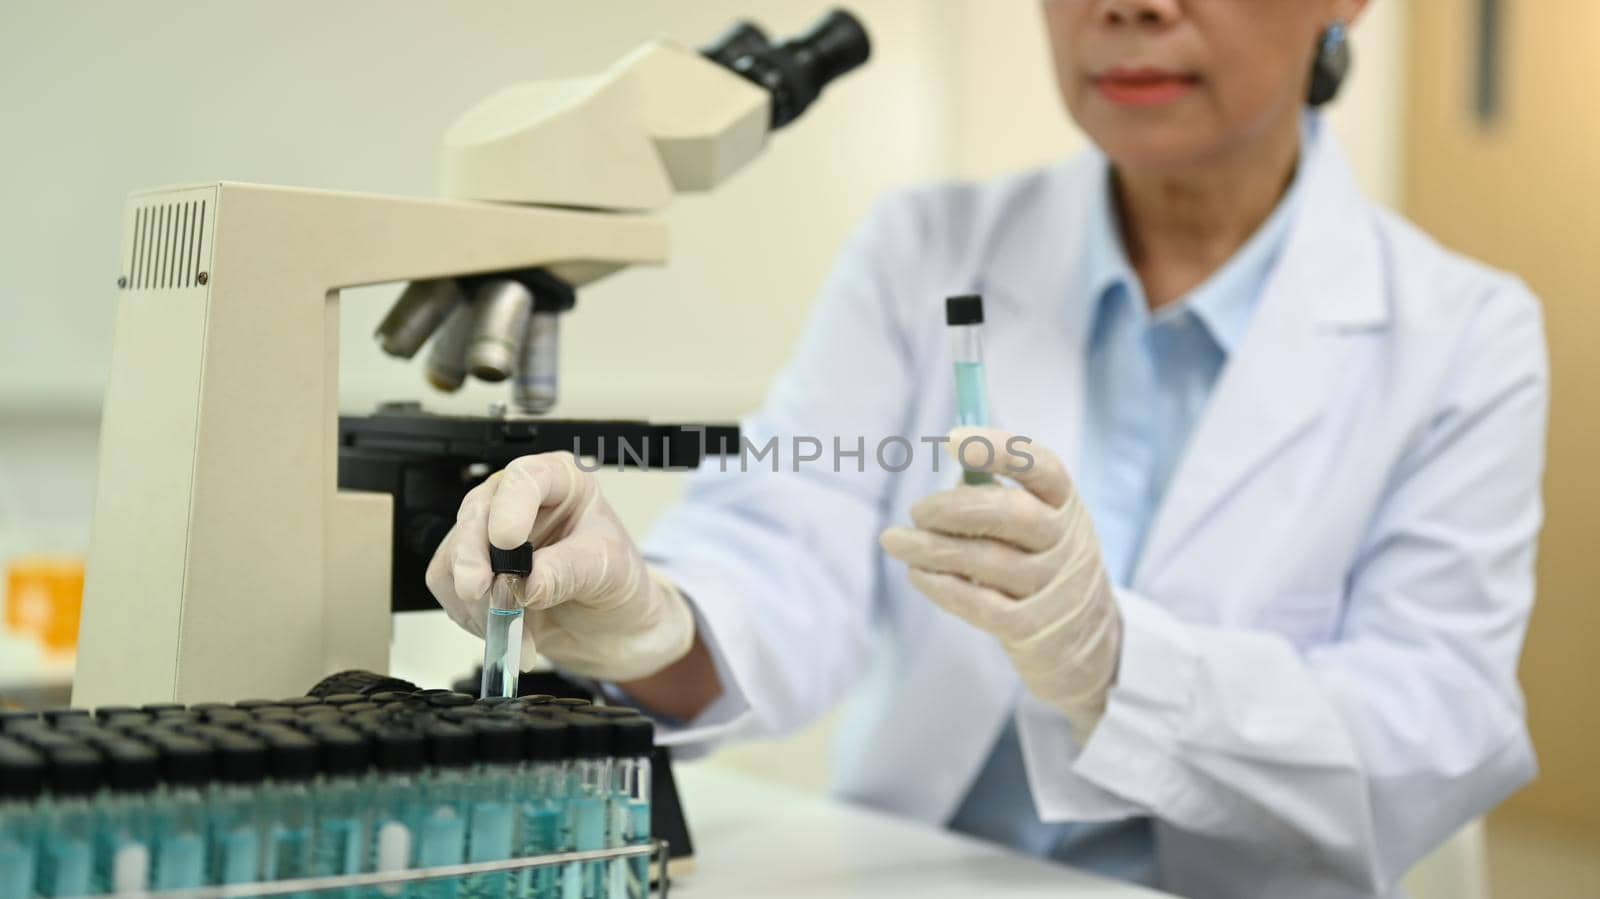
<point>224,560</point>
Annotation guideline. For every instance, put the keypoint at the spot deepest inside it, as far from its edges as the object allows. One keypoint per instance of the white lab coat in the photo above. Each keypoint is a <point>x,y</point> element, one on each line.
<point>1318,679</point>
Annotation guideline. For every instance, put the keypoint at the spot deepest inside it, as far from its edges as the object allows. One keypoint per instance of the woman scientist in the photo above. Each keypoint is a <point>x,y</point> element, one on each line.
<point>1248,625</point>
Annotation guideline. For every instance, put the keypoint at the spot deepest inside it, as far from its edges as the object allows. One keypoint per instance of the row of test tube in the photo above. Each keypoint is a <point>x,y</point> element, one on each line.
<point>125,801</point>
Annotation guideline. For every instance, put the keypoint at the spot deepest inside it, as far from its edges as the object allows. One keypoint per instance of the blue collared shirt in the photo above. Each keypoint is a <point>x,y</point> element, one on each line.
<point>1148,377</point>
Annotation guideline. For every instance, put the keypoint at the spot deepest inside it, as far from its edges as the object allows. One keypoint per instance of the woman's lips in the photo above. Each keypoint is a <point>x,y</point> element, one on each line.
<point>1143,87</point>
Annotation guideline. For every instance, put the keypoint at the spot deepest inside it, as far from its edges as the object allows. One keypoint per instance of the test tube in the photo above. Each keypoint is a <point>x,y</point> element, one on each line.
<point>491,807</point>
<point>590,792</point>
<point>502,627</point>
<point>123,831</point>
<point>399,754</point>
<point>339,801</point>
<point>964,316</point>
<point>22,778</point>
<point>286,806</point>
<point>442,830</point>
<point>544,826</point>
<point>633,736</point>
<point>179,812</point>
<point>65,864</point>
<point>233,831</point>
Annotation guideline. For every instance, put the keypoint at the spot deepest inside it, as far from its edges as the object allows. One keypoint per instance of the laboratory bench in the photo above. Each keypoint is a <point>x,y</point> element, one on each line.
<point>756,839</point>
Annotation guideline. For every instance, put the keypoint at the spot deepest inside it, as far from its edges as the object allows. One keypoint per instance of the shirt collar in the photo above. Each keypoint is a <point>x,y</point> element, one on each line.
<point>1225,301</point>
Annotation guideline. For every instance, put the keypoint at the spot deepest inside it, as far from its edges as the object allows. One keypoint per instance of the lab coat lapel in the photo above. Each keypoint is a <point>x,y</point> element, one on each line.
<point>1328,282</point>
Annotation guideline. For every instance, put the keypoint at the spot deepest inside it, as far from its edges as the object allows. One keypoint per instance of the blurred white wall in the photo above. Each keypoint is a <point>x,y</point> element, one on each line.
<point>101,99</point>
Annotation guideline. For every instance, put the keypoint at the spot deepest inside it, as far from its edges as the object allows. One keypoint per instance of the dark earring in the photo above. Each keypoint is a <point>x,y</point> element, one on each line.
<point>1331,66</point>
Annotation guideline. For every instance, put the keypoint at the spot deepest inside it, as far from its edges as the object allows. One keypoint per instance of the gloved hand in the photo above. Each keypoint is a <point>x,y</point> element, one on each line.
<point>591,605</point>
<point>1023,565</point>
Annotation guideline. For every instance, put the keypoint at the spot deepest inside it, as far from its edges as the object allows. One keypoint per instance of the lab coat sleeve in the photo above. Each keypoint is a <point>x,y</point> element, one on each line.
<point>1361,755</point>
<point>781,567</point>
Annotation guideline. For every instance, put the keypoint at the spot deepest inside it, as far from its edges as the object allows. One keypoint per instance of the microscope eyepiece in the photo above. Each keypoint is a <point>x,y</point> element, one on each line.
<point>743,39</point>
<point>835,45</point>
<point>795,71</point>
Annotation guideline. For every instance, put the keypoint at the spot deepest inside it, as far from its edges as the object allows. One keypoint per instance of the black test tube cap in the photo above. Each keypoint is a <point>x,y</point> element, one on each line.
<point>545,739</point>
<point>500,741</point>
<point>131,766</point>
<point>22,771</point>
<point>186,761</point>
<point>291,756</point>
<point>344,751</point>
<point>399,749</point>
<point>450,745</point>
<point>241,759</point>
<point>10,719</point>
<point>74,770</point>
<point>632,735</point>
<point>511,561</point>
<point>966,309</point>
<point>56,716</point>
<point>590,735</point>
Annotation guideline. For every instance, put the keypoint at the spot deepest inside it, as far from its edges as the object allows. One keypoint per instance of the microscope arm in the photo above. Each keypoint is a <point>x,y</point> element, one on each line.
<point>224,562</point>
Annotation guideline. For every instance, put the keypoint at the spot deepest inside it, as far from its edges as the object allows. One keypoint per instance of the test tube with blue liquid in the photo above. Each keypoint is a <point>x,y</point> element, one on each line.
<point>543,798</point>
<point>964,316</point>
<point>502,627</point>
<point>65,864</point>
<point>22,780</point>
<point>179,813</point>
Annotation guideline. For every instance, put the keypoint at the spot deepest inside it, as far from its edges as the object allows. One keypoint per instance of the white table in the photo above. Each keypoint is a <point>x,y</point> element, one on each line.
<point>756,839</point>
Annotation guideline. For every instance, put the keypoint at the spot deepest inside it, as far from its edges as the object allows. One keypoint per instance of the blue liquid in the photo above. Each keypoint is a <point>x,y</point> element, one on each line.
<point>502,653</point>
<point>638,834</point>
<point>238,856</point>
<point>589,832</point>
<point>441,841</point>
<point>541,834</point>
<point>339,849</point>
<point>16,867</point>
<point>288,853</point>
<point>489,840</point>
<point>972,410</point>
<point>65,866</point>
<point>180,861</point>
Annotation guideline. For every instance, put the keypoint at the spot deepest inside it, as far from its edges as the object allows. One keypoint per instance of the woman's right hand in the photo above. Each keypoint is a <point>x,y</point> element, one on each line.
<point>592,606</point>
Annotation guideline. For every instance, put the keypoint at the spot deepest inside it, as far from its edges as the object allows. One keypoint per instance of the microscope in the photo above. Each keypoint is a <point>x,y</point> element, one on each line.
<point>248,541</point>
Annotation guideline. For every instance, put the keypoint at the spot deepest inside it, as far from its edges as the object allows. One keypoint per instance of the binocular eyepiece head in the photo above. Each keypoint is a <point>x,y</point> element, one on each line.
<point>795,71</point>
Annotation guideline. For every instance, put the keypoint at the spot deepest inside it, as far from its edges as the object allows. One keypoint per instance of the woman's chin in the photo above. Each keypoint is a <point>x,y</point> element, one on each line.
<point>1154,148</point>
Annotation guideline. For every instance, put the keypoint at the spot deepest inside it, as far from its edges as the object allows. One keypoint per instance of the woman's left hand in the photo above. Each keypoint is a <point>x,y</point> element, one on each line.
<point>1023,565</point>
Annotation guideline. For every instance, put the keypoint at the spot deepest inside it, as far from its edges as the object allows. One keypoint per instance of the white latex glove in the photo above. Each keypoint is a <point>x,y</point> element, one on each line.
<point>1023,565</point>
<point>591,605</point>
